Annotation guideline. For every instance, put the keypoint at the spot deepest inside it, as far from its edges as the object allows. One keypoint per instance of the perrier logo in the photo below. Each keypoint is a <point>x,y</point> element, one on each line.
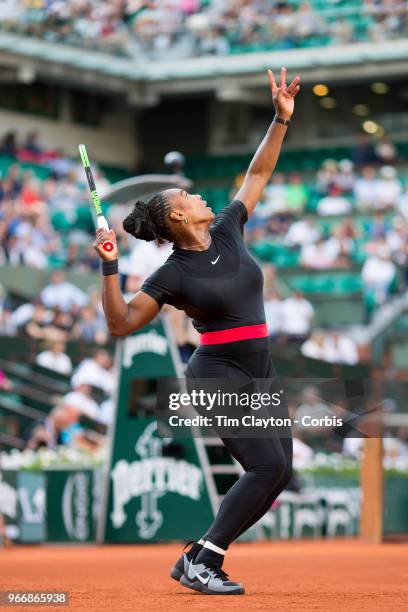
<point>149,479</point>
<point>150,342</point>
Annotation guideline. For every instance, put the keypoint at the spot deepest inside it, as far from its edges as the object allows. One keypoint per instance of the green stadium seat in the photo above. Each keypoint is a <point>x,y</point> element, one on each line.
<point>350,283</point>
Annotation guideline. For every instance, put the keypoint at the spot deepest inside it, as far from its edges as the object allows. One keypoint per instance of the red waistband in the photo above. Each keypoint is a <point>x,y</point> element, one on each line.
<point>246,332</point>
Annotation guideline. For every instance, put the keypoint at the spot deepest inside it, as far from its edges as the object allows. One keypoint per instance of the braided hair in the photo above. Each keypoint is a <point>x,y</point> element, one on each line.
<point>149,221</point>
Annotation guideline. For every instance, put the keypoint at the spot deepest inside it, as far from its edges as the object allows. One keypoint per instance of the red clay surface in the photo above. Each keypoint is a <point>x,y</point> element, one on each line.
<point>313,575</point>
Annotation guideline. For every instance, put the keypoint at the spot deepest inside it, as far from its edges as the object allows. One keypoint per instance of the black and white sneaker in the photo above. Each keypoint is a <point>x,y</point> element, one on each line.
<point>181,565</point>
<point>210,580</point>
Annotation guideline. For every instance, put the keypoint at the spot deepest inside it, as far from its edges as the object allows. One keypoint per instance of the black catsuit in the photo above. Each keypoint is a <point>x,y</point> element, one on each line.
<point>222,288</point>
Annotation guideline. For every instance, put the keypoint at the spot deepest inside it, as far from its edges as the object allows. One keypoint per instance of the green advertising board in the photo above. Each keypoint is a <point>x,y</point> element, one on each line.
<point>22,503</point>
<point>70,505</point>
<point>153,486</point>
<point>396,504</point>
<point>326,506</point>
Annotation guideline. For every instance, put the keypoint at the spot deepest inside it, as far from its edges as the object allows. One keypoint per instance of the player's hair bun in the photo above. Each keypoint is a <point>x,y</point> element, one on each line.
<point>139,222</point>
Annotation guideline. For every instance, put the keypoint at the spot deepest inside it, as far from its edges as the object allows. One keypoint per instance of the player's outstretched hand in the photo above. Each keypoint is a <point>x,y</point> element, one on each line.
<point>104,236</point>
<point>283,95</point>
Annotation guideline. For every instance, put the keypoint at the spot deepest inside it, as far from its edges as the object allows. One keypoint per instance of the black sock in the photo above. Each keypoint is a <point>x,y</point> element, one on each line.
<point>209,557</point>
<point>194,550</point>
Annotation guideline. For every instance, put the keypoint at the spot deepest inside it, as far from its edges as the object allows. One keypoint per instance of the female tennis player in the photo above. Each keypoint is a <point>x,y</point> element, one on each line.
<point>213,278</point>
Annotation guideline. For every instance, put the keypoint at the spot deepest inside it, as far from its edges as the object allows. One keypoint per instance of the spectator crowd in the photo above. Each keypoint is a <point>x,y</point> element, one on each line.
<point>171,29</point>
<point>360,217</point>
<point>349,215</point>
<point>92,386</point>
<point>318,217</point>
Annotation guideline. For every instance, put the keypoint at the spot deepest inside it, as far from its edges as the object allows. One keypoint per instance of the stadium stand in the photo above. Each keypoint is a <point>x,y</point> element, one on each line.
<point>328,219</point>
<point>185,28</point>
<point>325,256</point>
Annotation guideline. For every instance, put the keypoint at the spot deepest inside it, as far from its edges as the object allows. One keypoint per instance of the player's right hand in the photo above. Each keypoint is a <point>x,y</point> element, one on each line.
<point>101,237</point>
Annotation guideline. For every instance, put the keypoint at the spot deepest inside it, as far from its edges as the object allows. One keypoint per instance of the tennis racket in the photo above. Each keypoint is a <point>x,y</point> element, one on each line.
<point>101,222</point>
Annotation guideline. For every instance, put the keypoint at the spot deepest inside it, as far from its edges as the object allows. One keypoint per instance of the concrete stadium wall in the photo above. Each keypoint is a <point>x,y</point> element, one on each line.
<point>113,143</point>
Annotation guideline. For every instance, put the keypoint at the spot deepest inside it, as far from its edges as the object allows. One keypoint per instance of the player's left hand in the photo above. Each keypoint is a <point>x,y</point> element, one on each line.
<point>283,96</point>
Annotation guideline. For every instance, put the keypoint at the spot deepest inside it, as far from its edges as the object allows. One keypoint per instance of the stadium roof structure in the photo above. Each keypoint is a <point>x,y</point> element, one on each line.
<point>229,76</point>
<point>144,187</point>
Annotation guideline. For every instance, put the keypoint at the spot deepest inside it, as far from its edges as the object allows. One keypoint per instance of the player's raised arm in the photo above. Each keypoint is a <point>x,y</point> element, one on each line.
<point>122,318</point>
<point>267,154</point>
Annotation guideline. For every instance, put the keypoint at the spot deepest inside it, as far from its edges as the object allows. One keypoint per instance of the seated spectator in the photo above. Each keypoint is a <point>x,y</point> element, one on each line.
<point>321,255</point>
<point>89,262</point>
<point>39,321</point>
<point>402,204</point>
<point>6,325</point>
<point>387,188</point>
<point>23,314</point>
<point>52,326</point>
<point>313,406</point>
<point>62,294</point>
<point>95,300</point>
<point>90,328</point>
<point>145,258</point>
<point>378,272</point>
<point>339,348</point>
<point>341,32</point>
<point>349,229</point>
<point>50,433</point>
<point>81,398</point>
<point>73,256</point>
<point>61,165</point>
<point>307,22</point>
<point>340,242</point>
<point>273,313</point>
<point>302,453</point>
<point>66,194</point>
<point>334,205</point>
<point>296,317</point>
<point>96,371</point>
<point>31,197</point>
<point>32,149</point>
<point>304,231</point>
<point>385,150</point>
<point>345,178</point>
<point>5,383</point>
<point>8,145</point>
<point>55,358</point>
<point>275,197</point>
<point>132,286</point>
<point>365,188</point>
<point>61,325</point>
<point>213,43</point>
<point>297,194</point>
<point>107,411</point>
<point>326,178</point>
<point>283,24</point>
<point>16,180</point>
<point>30,239</point>
<point>364,153</point>
<point>379,227</point>
<point>314,346</point>
<point>185,335</point>
<point>397,239</point>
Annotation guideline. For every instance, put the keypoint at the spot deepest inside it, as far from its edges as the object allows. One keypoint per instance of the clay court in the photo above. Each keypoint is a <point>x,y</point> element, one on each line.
<point>314,575</point>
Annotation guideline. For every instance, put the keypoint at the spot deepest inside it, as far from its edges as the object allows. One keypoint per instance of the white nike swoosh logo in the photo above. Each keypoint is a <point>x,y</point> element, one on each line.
<point>215,260</point>
<point>191,574</point>
<point>203,580</point>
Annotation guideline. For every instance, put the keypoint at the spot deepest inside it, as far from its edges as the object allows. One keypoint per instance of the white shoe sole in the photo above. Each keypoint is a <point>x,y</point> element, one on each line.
<point>202,588</point>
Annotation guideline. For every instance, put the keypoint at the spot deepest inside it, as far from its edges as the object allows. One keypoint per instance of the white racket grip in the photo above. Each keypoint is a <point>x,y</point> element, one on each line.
<point>101,223</point>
